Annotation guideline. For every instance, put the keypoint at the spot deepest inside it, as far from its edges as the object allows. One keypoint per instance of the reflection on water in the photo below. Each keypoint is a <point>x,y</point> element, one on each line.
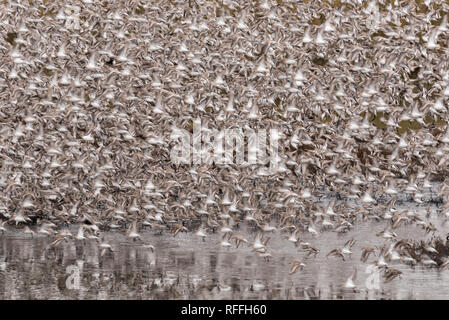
<point>188,268</point>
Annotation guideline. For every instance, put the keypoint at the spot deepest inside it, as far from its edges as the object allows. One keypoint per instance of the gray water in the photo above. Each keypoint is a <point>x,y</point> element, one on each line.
<point>187,268</point>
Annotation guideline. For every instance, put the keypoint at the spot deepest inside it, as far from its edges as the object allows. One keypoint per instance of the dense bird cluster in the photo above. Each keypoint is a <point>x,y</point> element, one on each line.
<point>91,91</point>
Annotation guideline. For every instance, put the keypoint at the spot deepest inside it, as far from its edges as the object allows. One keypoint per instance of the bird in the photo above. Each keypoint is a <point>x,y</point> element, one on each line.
<point>104,246</point>
<point>390,274</point>
<point>337,252</point>
<point>201,232</point>
<point>444,265</point>
<point>239,240</point>
<point>259,244</point>
<point>224,242</point>
<point>132,232</point>
<point>296,265</point>
<point>27,230</point>
<point>58,240</point>
<point>20,217</point>
<point>2,227</point>
<point>177,228</point>
<point>347,247</point>
<point>80,234</point>
<point>294,237</point>
<point>387,234</point>
<point>341,252</point>
<point>366,252</point>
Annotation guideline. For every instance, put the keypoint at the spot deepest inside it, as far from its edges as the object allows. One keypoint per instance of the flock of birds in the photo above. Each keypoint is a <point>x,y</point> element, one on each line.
<point>90,93</point>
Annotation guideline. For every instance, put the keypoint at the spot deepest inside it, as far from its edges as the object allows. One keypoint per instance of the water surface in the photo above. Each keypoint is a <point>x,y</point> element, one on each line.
<point>187,268</point>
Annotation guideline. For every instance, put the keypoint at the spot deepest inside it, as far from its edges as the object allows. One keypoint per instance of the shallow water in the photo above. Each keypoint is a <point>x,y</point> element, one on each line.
<point>187,268</point>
